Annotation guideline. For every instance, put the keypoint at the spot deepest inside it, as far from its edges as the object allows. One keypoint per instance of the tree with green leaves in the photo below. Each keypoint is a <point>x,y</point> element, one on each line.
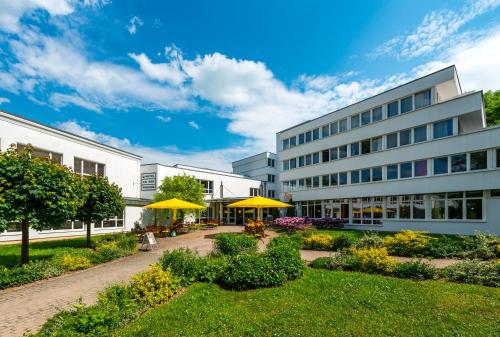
<point>37,193</point>
<point>492,107</point>
<point>182,187</point>
<point>103,201</point>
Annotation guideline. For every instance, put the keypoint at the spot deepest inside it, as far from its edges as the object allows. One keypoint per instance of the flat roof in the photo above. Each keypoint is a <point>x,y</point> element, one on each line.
<point>203,170</point>
<point>254,155</point>
<point>65,133</point>
<point>368,98</point>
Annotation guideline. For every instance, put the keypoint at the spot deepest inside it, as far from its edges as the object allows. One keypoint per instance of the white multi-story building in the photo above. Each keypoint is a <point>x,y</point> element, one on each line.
<point>221,189</point>
<point>261,167</point>
<point>418,156</point>
<point>85,157</point>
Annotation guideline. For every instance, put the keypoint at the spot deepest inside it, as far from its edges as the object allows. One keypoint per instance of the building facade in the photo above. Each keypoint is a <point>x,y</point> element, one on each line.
<point>261,167</point>
<point>418,156</point>
<point>85,157</point>
<point>221,188</point>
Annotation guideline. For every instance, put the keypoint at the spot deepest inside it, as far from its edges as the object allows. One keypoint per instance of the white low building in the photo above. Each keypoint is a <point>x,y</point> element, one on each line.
<point>418,156</point>
<point>261,167</point>
<point>85,157</point>
<point>220,188</point>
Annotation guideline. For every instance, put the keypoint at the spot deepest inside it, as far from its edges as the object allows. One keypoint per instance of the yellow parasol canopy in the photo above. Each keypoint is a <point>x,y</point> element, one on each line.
<point>259,202</point>
<point>174,204</point>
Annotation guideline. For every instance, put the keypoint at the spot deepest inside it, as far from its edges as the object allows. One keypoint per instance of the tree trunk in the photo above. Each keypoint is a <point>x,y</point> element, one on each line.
<point>25,242</point>
<point>89,242</point>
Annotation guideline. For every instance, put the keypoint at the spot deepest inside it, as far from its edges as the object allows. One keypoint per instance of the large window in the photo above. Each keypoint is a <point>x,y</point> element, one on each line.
<point>342,151</point>
<point>354,149</point>
<point>334,179</point>
<point>325,131</point>
<point>405,207</point>
<point>392,172</point>
<point>365,118</point>
<point>377,173</point>
<point>438,202</point>
<point>308,159</point>
<point>459,163</point>
<point>271,177</point>
<point>418,207</point>
<point>392,109</point>
<point>343,125</point>
<point>405,170</point>
<point>420,134</point>
<point>301,139</point>
<point>407,104</point>
<point>365,176</point>
<point>423,99</point>
<point>293,163</point>
<point>40,153</point>
<point>116,221</point>
<point>365,146</point>
<point>457,205</point>
<point>325,180</point>
<point>354,121</point>
<point>270,162</point>
<point>87,167</point>
<point>325,156</point>
<point>315,181</point>
<point>479,160</point>
<point>293,141</point>
<point>208,185</point>
<point>342,178</point>
<point>377,144</point>
<point>474,205</point>
<point>254,192</point>
<point>286,143</point>
<point>442,129</point>
<point>377,114</point>
<point>308,136</point>
<point>405,137</point>
<point>334,128</point>
<point>315,158</point>
<point>421,168</point>
<point>315,134</point>
<point>334,154</point>
<point>441,165</point>
<point>354,177</point>
<point>391,211</point>
<point>286,165</point>
<point>392,140</point>
<point>498,157</point>
<point>301,161</point>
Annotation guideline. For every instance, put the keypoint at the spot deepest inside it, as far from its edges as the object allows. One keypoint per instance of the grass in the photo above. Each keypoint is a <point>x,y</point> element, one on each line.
<point>10,254</point>
<point>327,303</point>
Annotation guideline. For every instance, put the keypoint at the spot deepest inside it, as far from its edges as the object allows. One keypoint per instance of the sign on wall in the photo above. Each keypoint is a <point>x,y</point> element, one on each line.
<point>148,181</point>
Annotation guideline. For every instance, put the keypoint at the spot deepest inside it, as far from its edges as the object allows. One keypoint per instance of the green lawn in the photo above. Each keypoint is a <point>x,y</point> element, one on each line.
<point>42,250</point>
<point>357,234</point>
<point>327,303</point>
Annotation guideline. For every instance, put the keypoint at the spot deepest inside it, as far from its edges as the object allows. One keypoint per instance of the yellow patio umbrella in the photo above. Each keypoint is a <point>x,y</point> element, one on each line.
<point>174,204</point>
<point>259,203</point>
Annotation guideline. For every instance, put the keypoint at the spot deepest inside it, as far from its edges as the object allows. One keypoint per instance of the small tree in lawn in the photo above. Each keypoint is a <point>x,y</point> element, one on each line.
<point>182,187</point>
<point>36,192</point>
<point>103,201</point>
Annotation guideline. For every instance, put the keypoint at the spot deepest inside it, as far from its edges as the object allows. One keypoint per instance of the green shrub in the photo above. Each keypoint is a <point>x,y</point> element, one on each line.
<point>155,285</point>
<point>235,243</point>
<point>183,263</point>
<point>296,240</point>
<point>370,240</point>
<point>33,271</point>
<point>342,241</point>
<point>407,243</point>
<point>319,242</point>
<point>321,262</point>
<point>75,262</point>
<point>444,247</point>
<point>481,246</point>
<point>474,272</point>
<point>342,262</point>
<point>213,268</point>
<point>374,260</point>
<point>285,256</point>
<point>414,270</point>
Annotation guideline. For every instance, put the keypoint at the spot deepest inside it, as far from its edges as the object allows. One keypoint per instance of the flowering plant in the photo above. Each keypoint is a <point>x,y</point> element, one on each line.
<point>293,223</point>
<point>328,223</point>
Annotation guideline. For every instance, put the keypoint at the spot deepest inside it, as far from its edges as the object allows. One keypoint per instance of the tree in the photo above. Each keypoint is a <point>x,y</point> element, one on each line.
<point>103,200</point>
<point>492,107</point>
<point>36,192</point>
<point>182,187</point>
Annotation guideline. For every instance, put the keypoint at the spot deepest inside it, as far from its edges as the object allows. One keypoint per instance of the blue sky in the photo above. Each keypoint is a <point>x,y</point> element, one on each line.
<point>208,82</point>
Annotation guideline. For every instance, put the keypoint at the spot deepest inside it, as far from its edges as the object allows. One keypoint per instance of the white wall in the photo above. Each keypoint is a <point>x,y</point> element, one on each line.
<point>256,167</point>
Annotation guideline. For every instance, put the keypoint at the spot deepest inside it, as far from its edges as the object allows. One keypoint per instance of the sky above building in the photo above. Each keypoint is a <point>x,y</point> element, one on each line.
<point>207,82</point>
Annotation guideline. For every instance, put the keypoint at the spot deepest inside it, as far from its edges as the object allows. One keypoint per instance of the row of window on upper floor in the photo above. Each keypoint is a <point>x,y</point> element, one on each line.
<point>394,108</point>
<point>457,163</point>
<point>415,135</point>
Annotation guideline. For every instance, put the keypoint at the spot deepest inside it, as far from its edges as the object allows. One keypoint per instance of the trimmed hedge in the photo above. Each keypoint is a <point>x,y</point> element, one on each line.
<point>235,244</point>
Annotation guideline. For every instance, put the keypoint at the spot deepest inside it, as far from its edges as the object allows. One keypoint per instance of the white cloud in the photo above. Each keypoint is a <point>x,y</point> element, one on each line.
<point>194,125</point>
<point>164,119</point>
<point>438,30</point>
<point>163,72</point>
<point>4,100</point>
<point>134,22</point>
<point>61,100</point>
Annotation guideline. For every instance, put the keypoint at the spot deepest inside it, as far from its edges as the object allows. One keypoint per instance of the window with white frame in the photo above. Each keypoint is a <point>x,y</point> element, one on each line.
<point>41,153</point>
<point>423,99</point>
<point>86,167</point>
<point>208,186</point>
<point>114,222</point>
<point>442,129</point>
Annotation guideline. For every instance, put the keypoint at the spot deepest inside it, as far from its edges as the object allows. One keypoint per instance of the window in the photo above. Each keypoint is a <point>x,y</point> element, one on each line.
<point>407,104</point>
<point>308,159</point>
<point>420,134</point>
<point>365,176</point>
<point>208,186</point>
<point>270,162</point>
<point>286,165</point>
<point>438,206</point>
<point>86,167</point>
<point>301,161</point>
<point>405,207</point>
<point>325,131</point>
<point>342,178</point>
<point>405,137</point>
<point>418,207</point>
<point>272,177</point>
<point>254,192</point>
<point>343,125</point>
<point>455,205</point>
<point>354,121</point>
<point>365,146</point>
<point>39,153</point>
<point>377,173</point>
<point>325,180</point>
<point>315,134</point>
<point>286,143</point>
<point>302,184</point>
<point>442,129</point>
<point>423,99</point>
<point>315,182</point>
<point>116,221</point>
<point>474,205</point>
<point>405,170</point>
<point>391,211</point>
<point>377,144</point>
<point>420,168</point>
<point>308,136</point>
<point>342,151</point>
<point>392,109</point>
<point>377,114</point>
<point>459,163</point>
<point>354,149</point>
<point>354,177</point>
<point>441,165</point>
<point>365,118</point>
<point>315,158</point>
<point>271,194</point>
<point>334,154</point>
<point>495,193</point>
<point>325,156</point>
<point>293,163</point>
<point>392,172</point>
<point>479,160</point>
<point>308,182</point>
<point>334,179</point>
<point>301,139</point>
<point>392,140</point>
<point>498,157</point>
<point>293,141</point>
<point>334,128</point>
